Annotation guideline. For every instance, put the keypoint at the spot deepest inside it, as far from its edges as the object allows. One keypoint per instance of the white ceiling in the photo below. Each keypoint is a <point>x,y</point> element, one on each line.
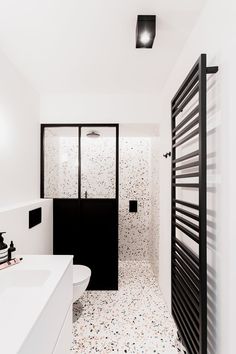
<point>89,46</point>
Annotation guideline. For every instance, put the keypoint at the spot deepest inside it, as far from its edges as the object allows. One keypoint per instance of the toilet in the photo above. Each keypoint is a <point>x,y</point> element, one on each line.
<point>81,278</point>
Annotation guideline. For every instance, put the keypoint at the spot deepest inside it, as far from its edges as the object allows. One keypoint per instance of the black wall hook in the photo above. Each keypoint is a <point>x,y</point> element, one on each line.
<point>167,154</point>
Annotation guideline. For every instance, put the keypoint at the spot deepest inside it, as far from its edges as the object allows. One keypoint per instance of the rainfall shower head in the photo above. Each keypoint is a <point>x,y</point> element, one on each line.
<point>93,134</point>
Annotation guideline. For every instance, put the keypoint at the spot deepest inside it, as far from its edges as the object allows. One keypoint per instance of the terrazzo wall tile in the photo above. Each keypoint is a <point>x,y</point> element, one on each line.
<point>135,173</point>
<point>138,232</point>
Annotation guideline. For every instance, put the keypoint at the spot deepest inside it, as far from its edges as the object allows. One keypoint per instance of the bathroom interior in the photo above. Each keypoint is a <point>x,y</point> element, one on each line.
<point>117,192</point>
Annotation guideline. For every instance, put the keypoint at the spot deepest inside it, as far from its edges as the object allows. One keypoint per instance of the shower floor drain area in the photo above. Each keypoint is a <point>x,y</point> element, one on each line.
<point>133,320</point>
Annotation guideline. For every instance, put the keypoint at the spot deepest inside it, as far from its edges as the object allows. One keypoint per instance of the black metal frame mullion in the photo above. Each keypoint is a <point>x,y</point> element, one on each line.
<point>79,162</point>
<point>79,126</point>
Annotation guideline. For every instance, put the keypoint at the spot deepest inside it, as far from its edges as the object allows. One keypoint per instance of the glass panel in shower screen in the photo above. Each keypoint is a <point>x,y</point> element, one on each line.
<point>98,162</point>
<point>61,160</point>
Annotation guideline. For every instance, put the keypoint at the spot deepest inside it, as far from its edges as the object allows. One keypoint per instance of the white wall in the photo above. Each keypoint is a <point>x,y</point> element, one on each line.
<point>99,108</point>
<point>19,137</point>
<point>20,162</point>
<point>15,221</point>
<point>214,35</point>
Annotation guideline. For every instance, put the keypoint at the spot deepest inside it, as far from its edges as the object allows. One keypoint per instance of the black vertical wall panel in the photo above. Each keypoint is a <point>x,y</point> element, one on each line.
<point>88,229</point>
<point>98,243</point>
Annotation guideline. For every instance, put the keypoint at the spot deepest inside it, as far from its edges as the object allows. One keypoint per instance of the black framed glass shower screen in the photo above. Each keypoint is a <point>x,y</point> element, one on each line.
<point>60,162</point>
<point>79,161</point>
<point>98,162</point>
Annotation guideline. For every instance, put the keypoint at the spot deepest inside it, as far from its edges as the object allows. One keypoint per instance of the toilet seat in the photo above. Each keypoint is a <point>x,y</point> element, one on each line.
<point>80,273</point>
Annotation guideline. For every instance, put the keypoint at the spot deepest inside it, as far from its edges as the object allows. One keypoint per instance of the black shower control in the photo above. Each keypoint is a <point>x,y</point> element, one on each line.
<point>35,217</point>
<point>133,206</point>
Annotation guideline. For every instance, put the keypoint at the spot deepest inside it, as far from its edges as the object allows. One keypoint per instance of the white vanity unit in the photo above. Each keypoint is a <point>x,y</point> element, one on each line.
<point>36,306</point>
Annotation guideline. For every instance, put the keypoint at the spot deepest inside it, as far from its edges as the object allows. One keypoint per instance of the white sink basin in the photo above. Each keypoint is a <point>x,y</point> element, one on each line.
<point>23,279</point>
<point>33,303</point>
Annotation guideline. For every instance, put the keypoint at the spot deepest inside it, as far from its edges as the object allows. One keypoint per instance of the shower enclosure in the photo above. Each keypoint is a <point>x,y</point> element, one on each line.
<point>79,171</point>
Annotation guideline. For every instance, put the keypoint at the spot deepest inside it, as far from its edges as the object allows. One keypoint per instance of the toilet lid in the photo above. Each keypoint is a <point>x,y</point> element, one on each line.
<point>80,273</point>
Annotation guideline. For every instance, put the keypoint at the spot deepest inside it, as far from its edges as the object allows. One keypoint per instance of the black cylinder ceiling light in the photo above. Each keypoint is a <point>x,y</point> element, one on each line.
<point>145,31</point>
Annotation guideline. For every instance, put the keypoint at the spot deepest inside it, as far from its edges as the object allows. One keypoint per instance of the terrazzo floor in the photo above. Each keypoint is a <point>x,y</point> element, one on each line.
<point>133,320</point>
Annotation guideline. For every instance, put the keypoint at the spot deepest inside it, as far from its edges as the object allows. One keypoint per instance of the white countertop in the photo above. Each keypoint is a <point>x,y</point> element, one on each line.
<point>25,289</point>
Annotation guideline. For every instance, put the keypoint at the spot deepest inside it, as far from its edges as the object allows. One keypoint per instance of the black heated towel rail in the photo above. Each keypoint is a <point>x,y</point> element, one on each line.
<point>188,235</point>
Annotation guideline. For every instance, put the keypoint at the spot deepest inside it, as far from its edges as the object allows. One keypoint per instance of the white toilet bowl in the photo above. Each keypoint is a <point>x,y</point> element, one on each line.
<point>81,277</point>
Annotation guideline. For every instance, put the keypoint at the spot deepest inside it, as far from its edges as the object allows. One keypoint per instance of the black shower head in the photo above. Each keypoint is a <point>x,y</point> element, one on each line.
<point>93,134</point>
